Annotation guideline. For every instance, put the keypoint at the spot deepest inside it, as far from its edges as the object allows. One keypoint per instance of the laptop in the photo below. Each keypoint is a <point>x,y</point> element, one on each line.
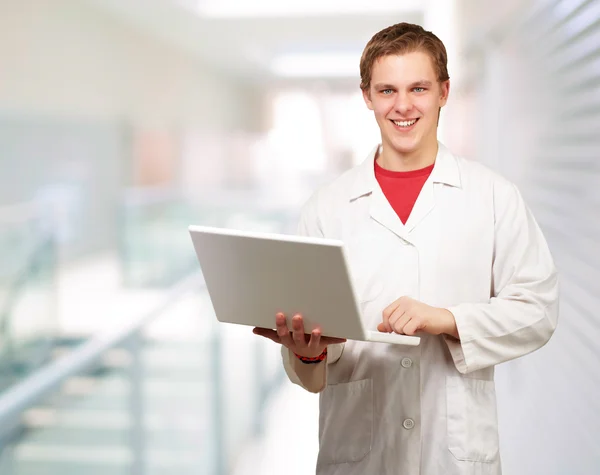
<point>252,276</point>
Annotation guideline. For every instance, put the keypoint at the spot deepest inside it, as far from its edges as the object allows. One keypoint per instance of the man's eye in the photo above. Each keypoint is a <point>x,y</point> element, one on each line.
<point>387,92</point>
<point>419,89</point>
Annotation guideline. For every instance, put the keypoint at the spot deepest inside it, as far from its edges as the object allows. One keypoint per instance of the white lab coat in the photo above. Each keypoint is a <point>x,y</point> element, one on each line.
<point>469,245</point>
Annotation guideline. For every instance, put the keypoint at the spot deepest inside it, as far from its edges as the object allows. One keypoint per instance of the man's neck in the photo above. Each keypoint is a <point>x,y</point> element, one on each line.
<point>391,160</point>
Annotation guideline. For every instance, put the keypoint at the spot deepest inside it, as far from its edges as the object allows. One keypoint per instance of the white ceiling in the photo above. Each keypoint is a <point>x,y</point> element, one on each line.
<point>245,46</point>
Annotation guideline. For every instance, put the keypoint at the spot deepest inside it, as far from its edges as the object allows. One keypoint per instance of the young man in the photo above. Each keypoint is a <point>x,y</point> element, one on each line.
<point>439,246</point>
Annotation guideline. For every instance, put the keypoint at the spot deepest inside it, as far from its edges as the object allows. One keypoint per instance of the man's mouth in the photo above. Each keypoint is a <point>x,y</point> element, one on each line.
<point>405,123</point>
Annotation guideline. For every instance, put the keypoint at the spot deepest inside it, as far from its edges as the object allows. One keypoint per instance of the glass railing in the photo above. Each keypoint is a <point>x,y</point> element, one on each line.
<point>184,397</point>
<point>155,248</point>
<point>18,239</point>
<point>28,311</point>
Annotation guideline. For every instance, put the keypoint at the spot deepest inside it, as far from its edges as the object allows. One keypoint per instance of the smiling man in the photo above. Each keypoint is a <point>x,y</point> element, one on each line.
<point>406,94</point>
<point>440,247</point>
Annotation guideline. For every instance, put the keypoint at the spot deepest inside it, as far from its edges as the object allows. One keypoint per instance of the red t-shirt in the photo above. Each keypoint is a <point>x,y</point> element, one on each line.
<point>402,188</point>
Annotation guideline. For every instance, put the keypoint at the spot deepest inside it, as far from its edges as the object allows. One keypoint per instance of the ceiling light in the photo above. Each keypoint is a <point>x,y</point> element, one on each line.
<point>279,8</point>
<point>316,65</point>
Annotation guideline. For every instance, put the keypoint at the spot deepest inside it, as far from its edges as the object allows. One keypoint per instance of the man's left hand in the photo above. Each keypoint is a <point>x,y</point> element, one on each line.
<point>408,316</point>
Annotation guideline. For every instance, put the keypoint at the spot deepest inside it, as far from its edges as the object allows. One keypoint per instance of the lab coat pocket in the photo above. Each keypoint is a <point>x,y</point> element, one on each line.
<point>472,419</point>
<point>346,422</point>
<point>367,289</point>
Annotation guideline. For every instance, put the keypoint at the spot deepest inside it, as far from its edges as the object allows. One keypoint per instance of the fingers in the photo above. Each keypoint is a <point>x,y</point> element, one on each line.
<point>315,339</point>
<point>409,316</point>
<point>411,327</point>
<point>407,324</point>
<point>400,325</point>
<point>387,313</point>
<point>296,339</point>
<point>282,331</point>
<point>398,319</point>
<point>298,332</point>
<point>386,320</point>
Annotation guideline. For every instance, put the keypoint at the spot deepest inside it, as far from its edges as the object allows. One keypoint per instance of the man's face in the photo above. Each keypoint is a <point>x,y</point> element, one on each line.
<point>406,97</point>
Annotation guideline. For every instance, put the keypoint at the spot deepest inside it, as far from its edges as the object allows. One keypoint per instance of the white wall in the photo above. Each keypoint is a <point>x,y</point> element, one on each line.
<point>65,57</point>
<point>79,87</point>
<point>537,114</point>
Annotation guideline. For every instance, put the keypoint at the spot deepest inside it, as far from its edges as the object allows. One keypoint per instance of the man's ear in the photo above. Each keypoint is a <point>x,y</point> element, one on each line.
<point>367,98</point>
<point>444,92</point>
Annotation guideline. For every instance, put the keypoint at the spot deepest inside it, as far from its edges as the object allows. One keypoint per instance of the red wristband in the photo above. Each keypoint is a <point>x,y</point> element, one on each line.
<point>314,360</point>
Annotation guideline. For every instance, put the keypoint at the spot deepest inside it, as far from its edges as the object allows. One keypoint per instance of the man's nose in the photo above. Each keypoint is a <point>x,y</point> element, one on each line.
<point>403,104</point>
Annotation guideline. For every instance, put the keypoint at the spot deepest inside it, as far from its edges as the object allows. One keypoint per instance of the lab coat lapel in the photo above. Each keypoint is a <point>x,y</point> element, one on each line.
<point>382,212</point>
<point>367,187</point>
<point>423,206</point>
<point>445,172</point>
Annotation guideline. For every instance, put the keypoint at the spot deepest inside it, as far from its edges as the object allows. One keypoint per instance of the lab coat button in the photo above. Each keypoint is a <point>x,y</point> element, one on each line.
<point>406,362</point>
<point>408,424</point>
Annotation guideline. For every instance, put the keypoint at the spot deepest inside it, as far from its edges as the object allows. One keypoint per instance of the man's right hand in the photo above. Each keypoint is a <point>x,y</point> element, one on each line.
<point>307,345</point>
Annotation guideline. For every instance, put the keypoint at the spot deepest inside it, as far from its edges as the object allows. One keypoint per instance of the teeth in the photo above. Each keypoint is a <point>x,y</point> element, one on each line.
<point>406,123</point>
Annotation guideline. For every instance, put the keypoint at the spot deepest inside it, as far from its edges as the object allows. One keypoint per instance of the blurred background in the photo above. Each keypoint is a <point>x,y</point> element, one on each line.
<point>124,121</point>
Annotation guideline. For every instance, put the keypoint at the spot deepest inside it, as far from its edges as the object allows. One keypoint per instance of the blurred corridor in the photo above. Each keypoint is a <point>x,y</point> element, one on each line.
<point>123,122</point>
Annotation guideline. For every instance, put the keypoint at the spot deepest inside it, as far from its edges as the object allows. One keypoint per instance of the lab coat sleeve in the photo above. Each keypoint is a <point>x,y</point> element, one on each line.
<point>522,313</point>
<point>312,377</point>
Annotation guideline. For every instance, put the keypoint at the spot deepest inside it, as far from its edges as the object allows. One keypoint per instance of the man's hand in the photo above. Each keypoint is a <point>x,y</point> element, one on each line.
<point>307,345</point>
<point>407,316</point>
